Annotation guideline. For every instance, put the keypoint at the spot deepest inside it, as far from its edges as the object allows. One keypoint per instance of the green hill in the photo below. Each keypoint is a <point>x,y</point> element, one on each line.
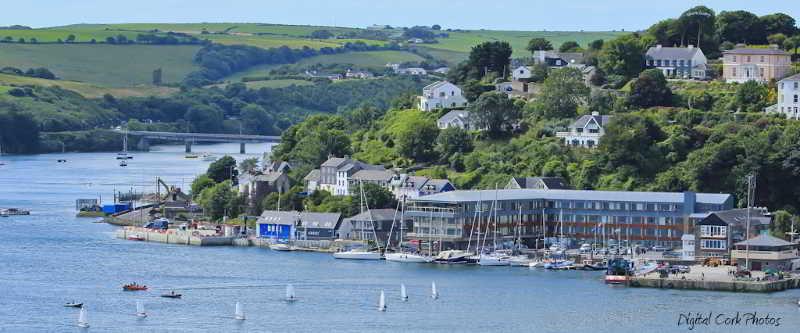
<point>102,64</point>
<point>7,82</point>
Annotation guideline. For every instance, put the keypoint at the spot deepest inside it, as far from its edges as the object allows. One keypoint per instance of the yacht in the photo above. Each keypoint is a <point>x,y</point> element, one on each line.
<point>280,247</point>
<point>494,259</point>
<point>358,254</point>
<point>452,257</point>
<point>407,257</point>
<point>123,155</point>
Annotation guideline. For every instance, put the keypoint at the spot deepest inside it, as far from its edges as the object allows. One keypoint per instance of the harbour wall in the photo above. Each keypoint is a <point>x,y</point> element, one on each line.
<point>736,286</point>
<point>174,237</point>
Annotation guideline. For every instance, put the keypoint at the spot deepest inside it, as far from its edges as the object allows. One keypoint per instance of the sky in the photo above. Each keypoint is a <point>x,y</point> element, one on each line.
<point>569,15</point>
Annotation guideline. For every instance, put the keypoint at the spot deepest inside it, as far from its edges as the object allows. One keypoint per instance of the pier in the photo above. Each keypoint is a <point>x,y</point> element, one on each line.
<point>716,279</point>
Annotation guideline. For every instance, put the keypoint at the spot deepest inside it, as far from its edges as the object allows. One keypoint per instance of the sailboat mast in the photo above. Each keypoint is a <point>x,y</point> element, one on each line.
<point>494,236</point>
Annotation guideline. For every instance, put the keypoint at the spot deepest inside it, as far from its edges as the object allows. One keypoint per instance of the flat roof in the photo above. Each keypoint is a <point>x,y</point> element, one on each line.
<point>589,195</point>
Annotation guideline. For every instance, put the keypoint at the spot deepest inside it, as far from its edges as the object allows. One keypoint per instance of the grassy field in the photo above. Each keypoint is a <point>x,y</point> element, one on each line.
<point>463,41</point>
<point>374,60</point>
<point>281,83</point>
<point>7,82</point>
<point>106,65</point>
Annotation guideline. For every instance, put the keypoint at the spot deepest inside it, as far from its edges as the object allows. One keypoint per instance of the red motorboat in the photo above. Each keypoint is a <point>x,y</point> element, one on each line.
<point>133,287</point>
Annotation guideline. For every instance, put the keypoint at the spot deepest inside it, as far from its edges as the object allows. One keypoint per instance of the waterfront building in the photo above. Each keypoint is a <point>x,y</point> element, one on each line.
<point>373,223</point>
<point>761,65</point>
<point>718,231</point>
<point>586,131</point>
<point>278,226</point>
<point>538,183</point>
<point>318,226</point>
<point>291,225</point>
<point>688,247</point>
<point>645,218</point>
<point>678,62</point>
<point>765,252</point>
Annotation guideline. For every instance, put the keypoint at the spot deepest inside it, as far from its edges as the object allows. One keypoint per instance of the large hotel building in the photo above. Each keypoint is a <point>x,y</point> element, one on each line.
<point>450,220</point>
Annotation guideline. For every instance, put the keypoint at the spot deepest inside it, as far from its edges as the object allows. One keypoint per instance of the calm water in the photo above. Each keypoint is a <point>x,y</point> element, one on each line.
<point>51,257</point>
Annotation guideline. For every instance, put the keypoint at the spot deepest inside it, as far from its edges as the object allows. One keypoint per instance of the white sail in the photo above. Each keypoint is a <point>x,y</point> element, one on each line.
<point>403,293</point>
<point>239,314</point>
<point>434,293</point>
<point>83,321</point>
<point>290,292</point>
<point>382,302</point>
<point>140,309</point>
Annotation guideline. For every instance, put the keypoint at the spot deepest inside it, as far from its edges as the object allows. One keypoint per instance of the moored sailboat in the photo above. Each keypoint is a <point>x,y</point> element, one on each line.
<point>83,320</point>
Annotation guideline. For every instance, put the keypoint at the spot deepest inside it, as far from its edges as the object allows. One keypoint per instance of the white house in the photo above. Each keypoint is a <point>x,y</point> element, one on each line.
<point>586,131</point>
<point>412,71</point>
<point>687,248</point>
<point>412,187</point>
<point>455,118</point>
<point>521,72</point>
<point>441,95</point>
<point>788,94</point>
<point>679,62</point>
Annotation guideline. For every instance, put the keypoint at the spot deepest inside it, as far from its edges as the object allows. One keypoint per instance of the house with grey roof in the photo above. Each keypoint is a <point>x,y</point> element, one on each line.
<point>258,185</point>
<point>678,62</point>
<point>455,118</point>
<point>716,233</point>
<point>374,223</point>
<point>441,95</point>
<point>312,180</point>
<point>318,226</point>
<point>380,177</point>
<point>586,131</point>
<point>557,59</point>
<point>788,98</point>
<point>766,252</point>
<point>539,183</point>
<point>335,175</point>
<point>410,186</point>
<point>293,225</point>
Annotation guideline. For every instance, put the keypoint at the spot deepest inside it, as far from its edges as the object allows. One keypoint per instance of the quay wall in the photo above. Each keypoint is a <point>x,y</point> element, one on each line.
<point>174,237</point>
<point>736,286</point>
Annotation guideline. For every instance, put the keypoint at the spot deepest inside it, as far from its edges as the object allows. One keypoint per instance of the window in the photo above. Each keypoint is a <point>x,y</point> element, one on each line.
<point>674,62</point>
<point>734,58</point>
<point>713,244</point>
<point>795,98</point>
<point>713,231</point>
<point>681,62</point>
<point>795,85</point>
<point>761,72</point>
<point>782,85</point>
<point>748,58</point>
<point>734,71</point>
<point>762,58</point>
<point>658,62</point>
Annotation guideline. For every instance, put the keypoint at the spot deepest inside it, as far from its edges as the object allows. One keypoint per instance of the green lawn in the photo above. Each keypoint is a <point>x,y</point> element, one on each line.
<point>374,60</point>
<point>86,90</point>
<point>282,83</point>
<point>106,65</point>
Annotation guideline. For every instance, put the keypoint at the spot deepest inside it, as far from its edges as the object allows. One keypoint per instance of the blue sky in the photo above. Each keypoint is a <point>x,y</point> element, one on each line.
<point>502,14</point>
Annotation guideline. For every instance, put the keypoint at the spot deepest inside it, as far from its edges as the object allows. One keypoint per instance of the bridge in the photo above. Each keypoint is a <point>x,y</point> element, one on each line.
<point>190,138</point>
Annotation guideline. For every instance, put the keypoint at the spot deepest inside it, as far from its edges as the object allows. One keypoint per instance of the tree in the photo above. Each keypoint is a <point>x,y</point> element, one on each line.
<point>596,44</point>
<point>256,120</point>
<point>157,73</point>
<point>436,27</point>
<point>781,224</point>
<point>321,34</point>
<point>792,43</point>
<point>623,56</point>
<point>222,169</point>
<point>740,27</point>
<point>219,200</point>
<point>778,23</point>
<point>751,96</point>
<point>569,46</point>
<point>561,93</point>
<point>451,141</point>
<point>776,39</point>
<point>630,143</point>
<point>313,140</point>
<point>649,90</point>
<point>70,38</point>
<point>696,27</point>
<point>414,138</point>
<point>378,197</point>
<point>248,165</point>
<point>539,72</point>
<point>204,118</point>
<point>539,44</point>
<point>495,112</point>
<point>201,183</point>
<point>490,57</point>
<point>420,32</point>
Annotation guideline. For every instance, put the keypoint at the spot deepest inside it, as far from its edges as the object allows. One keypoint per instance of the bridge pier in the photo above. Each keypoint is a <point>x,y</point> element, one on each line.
<point>144,144</point>
<point>188,146</point>
<point>241,148</point>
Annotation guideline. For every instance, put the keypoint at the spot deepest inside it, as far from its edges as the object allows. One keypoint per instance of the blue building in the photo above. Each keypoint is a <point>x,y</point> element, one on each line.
<point>454,219</point>
<point>277,226</point>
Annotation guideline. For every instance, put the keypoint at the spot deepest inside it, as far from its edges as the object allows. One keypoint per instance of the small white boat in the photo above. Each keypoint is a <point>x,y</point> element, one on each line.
<point>434,292</point>
<point>358,254</point>
<point>520,261</point>
<point>407,257</point>
<point>83,321</point>
<point>382,302</point>
<point>493,259</point>
<point>290,293</point>
<point>239,312</point>
<point>140,309</point>
<point>208,157</point>
<point>191,155</point>
<point>403,294</point>
<point>536,264</point>
<point>280,247</point>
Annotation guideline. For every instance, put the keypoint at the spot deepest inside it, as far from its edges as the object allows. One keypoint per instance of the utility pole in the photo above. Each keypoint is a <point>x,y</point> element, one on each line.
<point>750,194</point>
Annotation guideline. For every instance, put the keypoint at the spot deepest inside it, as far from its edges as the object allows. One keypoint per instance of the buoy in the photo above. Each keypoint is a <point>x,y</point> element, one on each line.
<point>290,293</point>
<point>239,313</point>
<point>403,293</point>
<point>83,321</point>
<point>382,302</point>
<point>434,293</point>
<point>140,309</point>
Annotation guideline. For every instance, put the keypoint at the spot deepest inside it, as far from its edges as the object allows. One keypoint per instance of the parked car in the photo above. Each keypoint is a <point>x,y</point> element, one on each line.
<point>659,248</point>
<point>670,253</point>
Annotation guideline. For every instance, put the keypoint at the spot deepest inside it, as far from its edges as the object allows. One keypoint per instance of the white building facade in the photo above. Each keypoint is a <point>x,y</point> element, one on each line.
<point>788,97</point>
<point>586,131</point>
<point>441,95</point>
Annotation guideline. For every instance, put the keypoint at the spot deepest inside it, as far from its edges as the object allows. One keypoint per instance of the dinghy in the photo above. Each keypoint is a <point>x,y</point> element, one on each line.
<point>239,312</point>
<point>290,293</point>
<point>171,294</point>
<point>382,302</point>
<point>140,309</point>
<point>83,321</point>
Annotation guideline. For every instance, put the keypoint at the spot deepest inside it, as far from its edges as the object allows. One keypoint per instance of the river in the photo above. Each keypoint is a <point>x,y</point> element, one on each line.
<point>52,257</point>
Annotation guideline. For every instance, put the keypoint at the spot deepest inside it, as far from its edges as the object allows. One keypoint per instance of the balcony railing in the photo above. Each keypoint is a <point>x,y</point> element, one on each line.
<point>765,255</point>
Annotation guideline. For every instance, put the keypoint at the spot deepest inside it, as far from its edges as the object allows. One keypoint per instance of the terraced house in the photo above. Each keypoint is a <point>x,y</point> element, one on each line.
<point>645,218</point>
